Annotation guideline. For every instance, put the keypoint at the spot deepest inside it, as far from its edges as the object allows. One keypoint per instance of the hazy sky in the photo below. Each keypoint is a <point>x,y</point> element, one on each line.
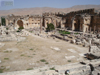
<point>7,4</point>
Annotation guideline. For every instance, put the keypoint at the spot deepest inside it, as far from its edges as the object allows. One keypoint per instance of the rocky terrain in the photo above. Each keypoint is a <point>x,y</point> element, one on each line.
<point>35,51</point>
<point>45,54</point>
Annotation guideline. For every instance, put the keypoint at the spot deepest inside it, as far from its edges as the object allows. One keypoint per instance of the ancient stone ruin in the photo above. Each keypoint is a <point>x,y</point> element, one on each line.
<point>82,27</point>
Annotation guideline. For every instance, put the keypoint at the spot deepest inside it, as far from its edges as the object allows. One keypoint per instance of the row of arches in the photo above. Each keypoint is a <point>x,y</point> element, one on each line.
<point>79,24</point>
<point>27,24</point>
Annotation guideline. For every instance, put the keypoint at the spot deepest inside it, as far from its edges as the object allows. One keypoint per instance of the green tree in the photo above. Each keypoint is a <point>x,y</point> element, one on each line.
<point>3,21</point>
<point>20,28</point>
<point>50,27</point>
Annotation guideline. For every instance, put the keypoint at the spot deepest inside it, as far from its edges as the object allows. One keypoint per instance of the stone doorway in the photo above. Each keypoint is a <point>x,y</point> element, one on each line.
<point>20,23</point>
<point>77,25</point>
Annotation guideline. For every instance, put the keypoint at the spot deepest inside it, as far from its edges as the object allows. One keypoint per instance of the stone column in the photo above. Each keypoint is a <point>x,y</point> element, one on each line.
<point>45,23</point>
<point>62,25</point>
<point>73,26</point>
<point>51,20</point>
<point>41,25</point>
<point>83,28</point>
<point>6,22</point>
<point>94,29</point>
<point>90,41</point>
<point>90,29</point>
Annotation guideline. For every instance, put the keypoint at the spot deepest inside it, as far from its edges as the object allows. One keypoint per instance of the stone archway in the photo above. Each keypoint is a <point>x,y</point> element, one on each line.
<point>77,23</point>
<point>20,23</point>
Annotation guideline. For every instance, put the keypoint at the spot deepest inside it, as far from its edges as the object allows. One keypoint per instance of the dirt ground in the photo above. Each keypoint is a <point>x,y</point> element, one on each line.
<point>36,51</point>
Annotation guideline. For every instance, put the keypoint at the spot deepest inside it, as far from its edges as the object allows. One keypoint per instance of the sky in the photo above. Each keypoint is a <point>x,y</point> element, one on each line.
<point>13,4</point>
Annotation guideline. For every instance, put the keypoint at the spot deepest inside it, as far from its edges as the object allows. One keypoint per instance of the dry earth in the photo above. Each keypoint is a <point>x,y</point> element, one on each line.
<point>36,51</point>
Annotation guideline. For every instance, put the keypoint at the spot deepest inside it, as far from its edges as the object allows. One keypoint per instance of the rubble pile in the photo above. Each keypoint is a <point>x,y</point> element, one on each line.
<point>9,34</point>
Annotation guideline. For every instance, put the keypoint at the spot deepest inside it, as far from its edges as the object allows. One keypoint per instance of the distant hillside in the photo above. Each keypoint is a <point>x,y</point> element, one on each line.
<point>26,11</point>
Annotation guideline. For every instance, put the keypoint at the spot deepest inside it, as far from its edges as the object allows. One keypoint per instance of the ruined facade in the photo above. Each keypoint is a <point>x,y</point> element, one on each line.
<point>29,22</point>
<point>52,18</point>
<point>83,20</point>
<point>33,21</point>
<point>95,23</point>
<point>81,23</point>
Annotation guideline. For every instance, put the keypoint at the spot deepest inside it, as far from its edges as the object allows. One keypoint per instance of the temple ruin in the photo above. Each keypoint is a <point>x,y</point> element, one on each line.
<point>83,28</point>
<point>83,20</point>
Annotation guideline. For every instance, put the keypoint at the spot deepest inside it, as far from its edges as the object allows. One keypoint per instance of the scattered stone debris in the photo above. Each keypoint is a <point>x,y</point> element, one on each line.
<point>71,50</point>
<point>55,48</point>
<point>81,54</point>
<point>2,44</point>
<point>7,67</point>
<point>12,49</point>
<point>69,57</point>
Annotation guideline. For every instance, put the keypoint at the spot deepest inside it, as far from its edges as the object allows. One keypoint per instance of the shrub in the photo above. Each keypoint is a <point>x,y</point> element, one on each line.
<point>7,51</point>
<point>69,60</point>
<point>22,55</point>
<point>18,31</point>
<point>64,32</point>
<point>50,27</point>
<point>31,49</point>
<point>7,28</point>
<point>3,21</point>
<point>46,63</point>
<point>43,60</point>
<point>1,70</point>
<point>30,69</point>
<point>6,58</point>
<point>52,68</point>
<point>76,33</point>
<point>29,56</point>
<point>20,28</point>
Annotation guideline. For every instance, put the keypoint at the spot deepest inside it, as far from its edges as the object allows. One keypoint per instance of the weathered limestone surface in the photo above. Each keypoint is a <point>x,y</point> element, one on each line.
<point>75,68</point>
<point>95,50</point>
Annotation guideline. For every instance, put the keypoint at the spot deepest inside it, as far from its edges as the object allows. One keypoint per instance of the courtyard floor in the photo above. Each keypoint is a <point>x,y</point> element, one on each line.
<point>36,51</point>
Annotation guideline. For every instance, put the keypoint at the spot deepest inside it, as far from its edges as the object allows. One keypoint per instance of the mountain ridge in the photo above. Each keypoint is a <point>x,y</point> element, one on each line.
<point>40,10</point>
